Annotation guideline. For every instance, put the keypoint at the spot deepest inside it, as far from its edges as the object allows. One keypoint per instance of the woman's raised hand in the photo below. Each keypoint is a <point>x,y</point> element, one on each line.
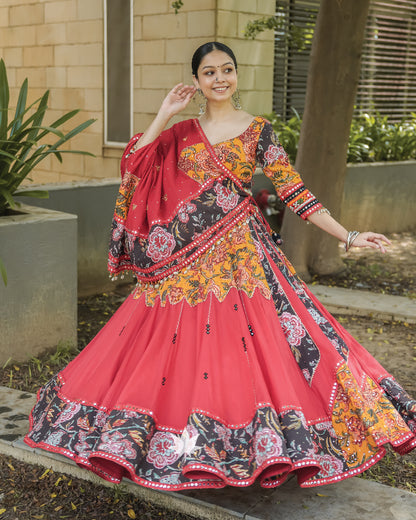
<point>177,99</point>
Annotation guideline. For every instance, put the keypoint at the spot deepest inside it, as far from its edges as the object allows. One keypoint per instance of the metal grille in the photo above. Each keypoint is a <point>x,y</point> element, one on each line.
<point>388,70</point>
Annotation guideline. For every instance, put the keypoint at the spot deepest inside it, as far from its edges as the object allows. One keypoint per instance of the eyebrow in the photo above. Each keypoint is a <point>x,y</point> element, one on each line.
<point>213,66</point>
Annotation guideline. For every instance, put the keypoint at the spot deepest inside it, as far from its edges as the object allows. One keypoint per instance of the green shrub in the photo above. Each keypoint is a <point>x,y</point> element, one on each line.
<point>372,137</point>
<point>23,142</point>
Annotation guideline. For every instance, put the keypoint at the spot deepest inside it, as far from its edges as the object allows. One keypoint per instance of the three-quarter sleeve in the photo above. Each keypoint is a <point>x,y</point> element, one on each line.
<point>289,186</point>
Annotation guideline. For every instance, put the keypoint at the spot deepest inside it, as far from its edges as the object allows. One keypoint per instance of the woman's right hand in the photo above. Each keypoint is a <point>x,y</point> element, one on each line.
<point>177,99</point>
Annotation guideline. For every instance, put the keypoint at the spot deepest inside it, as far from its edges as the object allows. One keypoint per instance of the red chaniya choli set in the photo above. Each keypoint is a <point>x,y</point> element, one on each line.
<point>221,368</point>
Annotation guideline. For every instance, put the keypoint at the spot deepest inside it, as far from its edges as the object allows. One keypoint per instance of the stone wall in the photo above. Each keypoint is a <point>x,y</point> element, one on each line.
<point>59,45</point>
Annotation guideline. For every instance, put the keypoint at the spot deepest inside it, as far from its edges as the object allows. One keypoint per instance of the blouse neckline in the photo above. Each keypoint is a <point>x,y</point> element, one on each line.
<point>198,124</point>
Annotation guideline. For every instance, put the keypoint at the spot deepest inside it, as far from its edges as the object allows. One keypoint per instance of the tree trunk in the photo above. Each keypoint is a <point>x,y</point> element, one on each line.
<point>330,95</point>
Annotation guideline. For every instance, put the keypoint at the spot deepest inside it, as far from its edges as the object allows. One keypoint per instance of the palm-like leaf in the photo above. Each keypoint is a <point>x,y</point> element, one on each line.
<point>23,146</point>
<point>22,140</point>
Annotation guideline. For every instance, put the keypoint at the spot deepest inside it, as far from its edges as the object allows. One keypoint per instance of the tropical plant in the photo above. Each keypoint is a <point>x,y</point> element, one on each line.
<point>22,140</point>
<point>23,143</point>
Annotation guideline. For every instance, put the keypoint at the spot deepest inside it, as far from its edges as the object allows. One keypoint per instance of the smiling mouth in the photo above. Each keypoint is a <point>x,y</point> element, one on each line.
<point>220,89</point>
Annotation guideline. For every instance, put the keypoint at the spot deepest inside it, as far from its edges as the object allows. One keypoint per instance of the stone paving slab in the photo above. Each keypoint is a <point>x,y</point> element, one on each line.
<point>365,303</point>
<point>14,410</point>
<point>351,499</point>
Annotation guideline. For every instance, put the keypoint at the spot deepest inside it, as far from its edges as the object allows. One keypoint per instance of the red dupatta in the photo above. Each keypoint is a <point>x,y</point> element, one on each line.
<point>164,219</point>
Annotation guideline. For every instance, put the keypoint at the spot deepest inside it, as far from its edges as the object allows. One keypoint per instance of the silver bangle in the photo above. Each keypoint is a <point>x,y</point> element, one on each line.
<point>352,235</point>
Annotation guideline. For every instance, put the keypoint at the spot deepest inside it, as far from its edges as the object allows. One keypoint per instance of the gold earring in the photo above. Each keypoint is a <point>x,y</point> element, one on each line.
<point>202,102</point>
<point>236,100</point>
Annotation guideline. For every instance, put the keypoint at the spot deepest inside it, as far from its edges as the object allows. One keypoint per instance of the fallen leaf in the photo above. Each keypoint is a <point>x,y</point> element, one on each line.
<point>131,513</point>
<point>44,474</point>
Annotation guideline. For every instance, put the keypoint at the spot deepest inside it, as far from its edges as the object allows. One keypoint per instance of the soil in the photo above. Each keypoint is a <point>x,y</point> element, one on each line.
<point>367,269</point>
<point>33,492</point>
<point>27,492</point>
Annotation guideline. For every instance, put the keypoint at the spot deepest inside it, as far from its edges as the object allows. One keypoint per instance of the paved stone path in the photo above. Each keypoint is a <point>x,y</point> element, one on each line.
<point>352,499</point>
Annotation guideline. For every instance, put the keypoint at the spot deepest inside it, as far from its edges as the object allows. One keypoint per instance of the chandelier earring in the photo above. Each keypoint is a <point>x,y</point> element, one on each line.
<point>202,102</point>
<point>236,100</point>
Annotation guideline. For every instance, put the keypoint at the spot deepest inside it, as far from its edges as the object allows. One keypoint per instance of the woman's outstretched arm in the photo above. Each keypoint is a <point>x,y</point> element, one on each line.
<point>331,226</point>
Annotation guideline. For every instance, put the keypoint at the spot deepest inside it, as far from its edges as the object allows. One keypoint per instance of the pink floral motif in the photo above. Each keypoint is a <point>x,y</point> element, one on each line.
<point>203,160</point>
<point>161,244</point>
<point>68,412</point>
<point>267,444</point>
<point>329,465</point>
<point>162,450</point>
<point>357,429</point>
<point>275,153</point>
<point>306,374</point>
<point>226,199</point>
<point>130,414</point>
<point>115,444</point>
<point>129,242</point>
<point>54,438</point>
<point>82,445</point>
<point>224,435</point>
<point>185,210</point>
<point>175,295</point>
<point>100,419</point>
<point>292,328</point>
<point>326,426</point>
<point>118,231</point>
<point>258,249</point>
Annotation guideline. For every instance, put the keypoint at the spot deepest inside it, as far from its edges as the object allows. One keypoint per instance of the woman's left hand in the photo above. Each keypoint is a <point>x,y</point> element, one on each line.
<point>369,239</point>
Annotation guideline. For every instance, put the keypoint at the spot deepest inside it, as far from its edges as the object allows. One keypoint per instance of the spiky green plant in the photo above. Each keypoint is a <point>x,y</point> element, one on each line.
<point>23,143</point>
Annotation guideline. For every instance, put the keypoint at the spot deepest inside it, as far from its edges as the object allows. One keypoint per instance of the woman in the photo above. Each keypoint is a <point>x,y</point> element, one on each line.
<point>221,367</point>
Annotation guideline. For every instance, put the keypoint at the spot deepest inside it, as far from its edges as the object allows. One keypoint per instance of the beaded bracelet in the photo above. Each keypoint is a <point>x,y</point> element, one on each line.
<point>323,210</point>
<point>319,212</point>
<point>352,235</point>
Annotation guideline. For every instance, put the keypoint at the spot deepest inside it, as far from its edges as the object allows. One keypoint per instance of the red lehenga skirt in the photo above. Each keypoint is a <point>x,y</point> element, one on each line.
<point>227,372</point>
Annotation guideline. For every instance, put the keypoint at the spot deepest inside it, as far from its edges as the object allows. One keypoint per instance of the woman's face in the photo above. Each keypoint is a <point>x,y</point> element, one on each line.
<point>217,76</point>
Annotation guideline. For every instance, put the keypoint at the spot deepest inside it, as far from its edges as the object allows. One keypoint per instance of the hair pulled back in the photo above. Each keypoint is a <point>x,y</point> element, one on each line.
<point>205,49</point>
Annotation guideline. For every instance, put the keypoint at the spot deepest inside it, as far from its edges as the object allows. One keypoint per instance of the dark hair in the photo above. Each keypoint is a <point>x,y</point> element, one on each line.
<point>205,49</point>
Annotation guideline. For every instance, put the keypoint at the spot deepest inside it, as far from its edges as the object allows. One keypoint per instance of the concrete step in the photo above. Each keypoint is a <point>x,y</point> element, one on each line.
<point>365,303</point>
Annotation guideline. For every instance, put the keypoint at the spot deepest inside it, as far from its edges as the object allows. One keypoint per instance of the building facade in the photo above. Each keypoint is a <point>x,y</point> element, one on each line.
<point>116,60</point>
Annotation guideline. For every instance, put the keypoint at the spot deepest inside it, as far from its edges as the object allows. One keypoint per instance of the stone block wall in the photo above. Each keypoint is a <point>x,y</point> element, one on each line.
<point>59,45</point>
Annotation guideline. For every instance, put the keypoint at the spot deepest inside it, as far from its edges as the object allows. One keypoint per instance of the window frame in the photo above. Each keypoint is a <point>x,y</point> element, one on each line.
<point>107,142</point>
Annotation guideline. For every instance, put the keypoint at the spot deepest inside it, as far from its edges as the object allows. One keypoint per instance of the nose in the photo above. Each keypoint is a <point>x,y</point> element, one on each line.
<point>219,77</point>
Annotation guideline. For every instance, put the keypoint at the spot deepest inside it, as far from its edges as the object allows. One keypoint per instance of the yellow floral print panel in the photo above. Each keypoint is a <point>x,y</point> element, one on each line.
<point>363,418</point>
<point>237,154</point>
<point>231,263</point>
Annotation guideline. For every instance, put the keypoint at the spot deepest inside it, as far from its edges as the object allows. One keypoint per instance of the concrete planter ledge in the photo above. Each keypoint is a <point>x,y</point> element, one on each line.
<point>38,308</point>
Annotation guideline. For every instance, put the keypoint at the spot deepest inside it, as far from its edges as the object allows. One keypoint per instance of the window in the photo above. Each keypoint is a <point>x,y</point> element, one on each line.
<point>388,67</point>
<point>118,71</point>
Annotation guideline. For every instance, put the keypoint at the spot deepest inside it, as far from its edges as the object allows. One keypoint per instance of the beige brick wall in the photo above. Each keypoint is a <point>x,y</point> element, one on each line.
<point>58,45</point>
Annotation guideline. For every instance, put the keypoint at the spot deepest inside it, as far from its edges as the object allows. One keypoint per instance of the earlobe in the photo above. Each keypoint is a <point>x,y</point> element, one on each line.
<point>195,81</point>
